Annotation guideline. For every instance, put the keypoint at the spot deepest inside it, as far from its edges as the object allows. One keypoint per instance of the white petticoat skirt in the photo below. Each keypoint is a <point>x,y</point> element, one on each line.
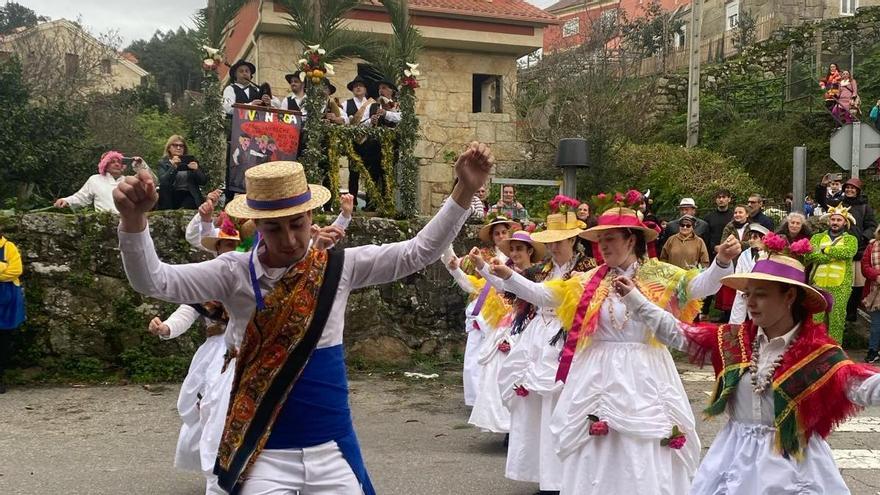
<point>489,412</point>
<point>742,461</point>
<point>471,371</point>
<point>636,388</point>
<point>205,364</point>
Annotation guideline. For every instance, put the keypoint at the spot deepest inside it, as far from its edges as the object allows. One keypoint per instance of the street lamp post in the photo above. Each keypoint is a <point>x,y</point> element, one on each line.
<point>572,154</point>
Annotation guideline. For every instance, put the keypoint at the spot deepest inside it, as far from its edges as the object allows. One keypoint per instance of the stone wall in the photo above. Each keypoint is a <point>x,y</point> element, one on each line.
<point>81,309</point>
<point>444,107</point>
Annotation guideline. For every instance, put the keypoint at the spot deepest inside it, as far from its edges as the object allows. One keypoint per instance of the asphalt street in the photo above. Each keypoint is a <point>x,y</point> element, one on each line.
<point>414,434</point>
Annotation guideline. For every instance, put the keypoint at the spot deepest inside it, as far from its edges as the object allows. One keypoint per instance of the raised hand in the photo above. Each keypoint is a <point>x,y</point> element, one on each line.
<point>134,197</point>
<point>60,203</point>
<point>346,202</point>
<point>453,264</point>
<point>500,270</point>
<point>214,195</point>
<point>158,328</point>
<point>476,258</point>
<point>327,237</point>
<point>728,250</point>
<point>206,210</point>
<point>473,167</point>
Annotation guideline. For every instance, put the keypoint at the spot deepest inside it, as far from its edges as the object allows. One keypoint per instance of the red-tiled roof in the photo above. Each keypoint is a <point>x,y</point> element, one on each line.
<point>565,4</point>
<point>519,10</point>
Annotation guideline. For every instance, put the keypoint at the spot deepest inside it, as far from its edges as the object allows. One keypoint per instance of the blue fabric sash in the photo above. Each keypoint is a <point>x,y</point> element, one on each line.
<point>317,412</point>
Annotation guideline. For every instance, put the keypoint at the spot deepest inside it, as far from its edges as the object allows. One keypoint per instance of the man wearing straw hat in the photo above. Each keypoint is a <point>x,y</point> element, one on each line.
<point>288,427</point>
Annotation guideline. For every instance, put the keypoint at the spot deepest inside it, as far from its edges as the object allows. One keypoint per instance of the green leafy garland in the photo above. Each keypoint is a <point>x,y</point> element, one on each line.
<point>407,163</point>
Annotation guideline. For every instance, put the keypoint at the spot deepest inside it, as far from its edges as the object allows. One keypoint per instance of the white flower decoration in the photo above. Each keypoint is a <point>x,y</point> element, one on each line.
<point>317,48</point>
<point>210,51</point>
<point>412,71</point>
<point>329,69</point>
<point>314,47</point>
<point>302,75</point>
<point>301,62</point>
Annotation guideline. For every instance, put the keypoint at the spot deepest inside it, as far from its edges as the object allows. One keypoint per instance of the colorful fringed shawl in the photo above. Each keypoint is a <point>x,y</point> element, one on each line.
<point>277,346</point>
<point>581,298</point>
<point>809,387</point>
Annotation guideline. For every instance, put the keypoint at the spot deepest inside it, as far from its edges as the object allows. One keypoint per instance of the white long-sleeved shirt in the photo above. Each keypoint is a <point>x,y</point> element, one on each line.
<point>746,406</point>
<point>179,321</point>
<point>227,278</point>
<point>703,285</point>
<point>301,103</point>
<point>738,312</point>
<point>358,102</point>
<point>97,190</point>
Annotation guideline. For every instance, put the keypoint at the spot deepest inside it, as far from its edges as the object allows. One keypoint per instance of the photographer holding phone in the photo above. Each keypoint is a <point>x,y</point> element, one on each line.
<point>180,177</point>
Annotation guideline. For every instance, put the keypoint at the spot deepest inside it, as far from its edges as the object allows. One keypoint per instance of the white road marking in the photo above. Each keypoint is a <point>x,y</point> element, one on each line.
<point>856,458</point>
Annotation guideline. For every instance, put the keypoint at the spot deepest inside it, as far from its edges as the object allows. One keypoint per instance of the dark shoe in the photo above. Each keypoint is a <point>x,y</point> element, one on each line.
<point>2,388</point>
<point>506,440</point>
<point>872,357</point>
<point>546,492</point>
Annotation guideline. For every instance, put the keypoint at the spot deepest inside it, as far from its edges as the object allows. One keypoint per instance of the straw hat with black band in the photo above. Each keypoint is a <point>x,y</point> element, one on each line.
<point>618,218</point>
<point>560,226</point>
<point>277,189</point>
<point>785,270</point>
<point>523,236</point>
<point>486,230</point>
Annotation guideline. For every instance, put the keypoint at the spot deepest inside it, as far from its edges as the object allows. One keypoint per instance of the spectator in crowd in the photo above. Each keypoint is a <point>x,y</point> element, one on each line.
<point>871,299</point>
<point>831,85</point>
<point>508,205</point>
<point>809,206</point>
<point>744,264</point>
<point>685,249</point>
<point>862,228</point>
<point>789,201</point>
<point>718,219</point>
<point>756,212</point>
<point>832,271</point>
<point>874,116</point>
<point>829,192</point>
<point>11,302</point>
<point>738,226</point>
<point>483,194</point>
<point>585,214</point>
<point>98,189</point>
<point>687,206</point>
<point>795,227</point>
<point>180,178</point>
<point>847,99</point>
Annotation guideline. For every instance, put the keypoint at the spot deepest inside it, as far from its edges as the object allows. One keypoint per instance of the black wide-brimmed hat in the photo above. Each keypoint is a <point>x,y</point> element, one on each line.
<point>241,62</point>
<point>329,84</point>
<point>386,82</point>
<point>358,79</point>
<point>290,77</point>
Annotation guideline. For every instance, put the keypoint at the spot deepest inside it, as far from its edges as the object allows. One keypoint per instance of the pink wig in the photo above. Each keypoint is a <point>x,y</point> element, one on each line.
<point>106,158</point>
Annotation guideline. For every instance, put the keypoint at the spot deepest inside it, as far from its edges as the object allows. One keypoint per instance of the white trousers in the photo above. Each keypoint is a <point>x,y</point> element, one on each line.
<point>318,470</point>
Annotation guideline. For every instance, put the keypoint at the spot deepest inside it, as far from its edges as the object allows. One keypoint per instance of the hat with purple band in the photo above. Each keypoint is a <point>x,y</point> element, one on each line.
<point>524,237</point>
<point>785,270</point>
<point>277,189</point>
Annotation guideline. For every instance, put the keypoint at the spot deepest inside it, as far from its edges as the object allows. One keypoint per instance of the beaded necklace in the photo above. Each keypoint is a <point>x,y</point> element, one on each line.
<point>759,385</point>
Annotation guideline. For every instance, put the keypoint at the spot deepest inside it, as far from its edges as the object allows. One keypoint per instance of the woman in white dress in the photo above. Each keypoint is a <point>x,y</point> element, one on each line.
<point>622,399</point>
<point>194,451</point>
<point>489,412</point>
<point>527,379</point>
<point>474,326</point>
<point>782,380</point>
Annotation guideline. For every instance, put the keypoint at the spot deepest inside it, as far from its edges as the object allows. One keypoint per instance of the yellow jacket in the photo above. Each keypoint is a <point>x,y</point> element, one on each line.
<point>10,266</point>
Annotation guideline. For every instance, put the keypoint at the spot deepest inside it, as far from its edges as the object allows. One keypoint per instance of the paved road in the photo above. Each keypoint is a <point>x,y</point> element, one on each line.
<point>415,437</point>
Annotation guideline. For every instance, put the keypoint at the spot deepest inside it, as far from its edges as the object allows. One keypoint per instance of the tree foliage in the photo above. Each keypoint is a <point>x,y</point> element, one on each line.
<point>173,58</point>
<point>14,15</point>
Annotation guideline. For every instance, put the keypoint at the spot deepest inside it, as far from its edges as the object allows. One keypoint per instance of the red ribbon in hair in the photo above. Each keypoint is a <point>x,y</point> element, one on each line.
<point>575,332</point>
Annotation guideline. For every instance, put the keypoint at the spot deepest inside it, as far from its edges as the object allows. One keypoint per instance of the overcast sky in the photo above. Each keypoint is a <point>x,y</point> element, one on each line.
<point>133,19</point>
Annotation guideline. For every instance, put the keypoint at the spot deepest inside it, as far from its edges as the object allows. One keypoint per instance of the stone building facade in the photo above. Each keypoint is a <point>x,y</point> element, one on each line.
<point>468,70</point>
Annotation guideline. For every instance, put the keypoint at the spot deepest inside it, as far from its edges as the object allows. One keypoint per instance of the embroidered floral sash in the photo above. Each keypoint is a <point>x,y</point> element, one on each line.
<point>276,348</point>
